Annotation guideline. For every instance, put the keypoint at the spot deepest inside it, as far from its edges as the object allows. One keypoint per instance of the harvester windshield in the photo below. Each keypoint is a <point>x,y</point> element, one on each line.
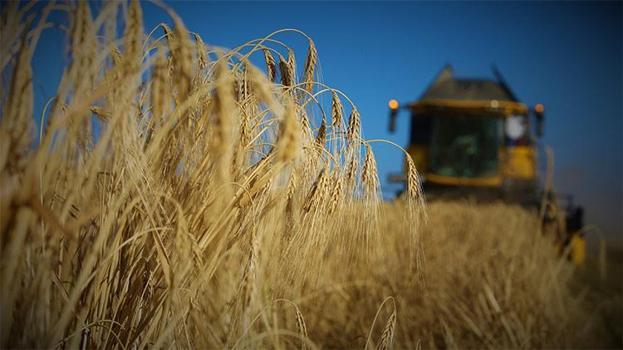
<point>465,146</point>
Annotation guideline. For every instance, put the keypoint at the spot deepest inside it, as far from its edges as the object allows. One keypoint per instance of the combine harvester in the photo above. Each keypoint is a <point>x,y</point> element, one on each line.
<point>472,138</point>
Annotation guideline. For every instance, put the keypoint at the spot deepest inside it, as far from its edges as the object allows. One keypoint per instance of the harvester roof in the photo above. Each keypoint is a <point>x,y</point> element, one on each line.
<point>447,87</point>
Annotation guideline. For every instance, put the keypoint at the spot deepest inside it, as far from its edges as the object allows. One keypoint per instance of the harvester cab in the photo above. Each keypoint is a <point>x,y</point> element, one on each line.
<point>472,138</point>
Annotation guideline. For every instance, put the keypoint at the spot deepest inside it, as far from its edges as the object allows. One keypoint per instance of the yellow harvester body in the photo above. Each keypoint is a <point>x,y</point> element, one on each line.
<point>473,138</point>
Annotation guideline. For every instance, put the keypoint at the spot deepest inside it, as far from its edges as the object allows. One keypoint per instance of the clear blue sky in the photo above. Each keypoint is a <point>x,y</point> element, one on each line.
<point>565,55</point>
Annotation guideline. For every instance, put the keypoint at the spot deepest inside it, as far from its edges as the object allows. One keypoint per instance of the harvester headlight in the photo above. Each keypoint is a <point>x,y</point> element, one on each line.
<point>393,104</point>
<point>515,127</point>
<point>539,108</point>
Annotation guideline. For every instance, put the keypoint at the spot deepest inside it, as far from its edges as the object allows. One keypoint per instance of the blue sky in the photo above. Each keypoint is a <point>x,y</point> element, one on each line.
<point>567,56</point>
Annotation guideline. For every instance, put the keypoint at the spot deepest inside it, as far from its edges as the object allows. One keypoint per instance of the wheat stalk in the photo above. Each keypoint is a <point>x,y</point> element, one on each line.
<point>159,87</point>
<point>369,176</point>
<point>181,55</point>
<point>287,73</point>
<point>321,136</point>
<point>336,195</point>
<point>310,66</point>
<point>387,338</point>
<point>414,190</point>
<point>202,55</point>
<point>316,194</point>
<point>133,38</point>
<point>17,123</point>
<point>270,64</point>
<point>354,127</point>
<point>300,323</point>
<point>222,143</point>
<point>288,141</point>
<point>337,111</point>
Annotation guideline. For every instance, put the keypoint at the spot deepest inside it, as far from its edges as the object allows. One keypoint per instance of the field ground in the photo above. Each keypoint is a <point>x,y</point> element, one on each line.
<point>604,293</point>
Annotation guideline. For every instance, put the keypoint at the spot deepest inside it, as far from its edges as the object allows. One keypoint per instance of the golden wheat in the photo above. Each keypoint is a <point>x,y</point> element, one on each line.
<point>214,202</point>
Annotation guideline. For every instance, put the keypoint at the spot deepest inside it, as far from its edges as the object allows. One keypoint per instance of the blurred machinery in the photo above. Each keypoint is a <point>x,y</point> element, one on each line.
<point>472,138</point>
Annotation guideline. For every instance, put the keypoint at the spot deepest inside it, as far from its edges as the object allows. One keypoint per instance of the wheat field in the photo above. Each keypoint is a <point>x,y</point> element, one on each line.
<point>177,195</point>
